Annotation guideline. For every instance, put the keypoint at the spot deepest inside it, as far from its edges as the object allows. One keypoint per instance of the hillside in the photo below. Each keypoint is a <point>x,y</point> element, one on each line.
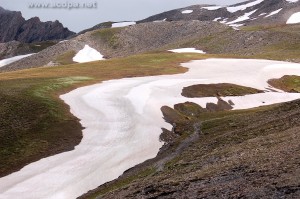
<point>196,102</point>
<point>211,37</point>
<point>249,13</point>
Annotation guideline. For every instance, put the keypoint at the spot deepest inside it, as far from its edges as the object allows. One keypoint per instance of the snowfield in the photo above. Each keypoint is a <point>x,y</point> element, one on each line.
<point>295,18</point>
<point>233,9</point>
<point>187,50</point>
<point>187,11</point>
<point>273,13</point>
<point>123,24</point>
<point>212,7</point>
<point>246,16</point>
<point>7,61</point>
<point>123,122</point>
<point>87,54</point>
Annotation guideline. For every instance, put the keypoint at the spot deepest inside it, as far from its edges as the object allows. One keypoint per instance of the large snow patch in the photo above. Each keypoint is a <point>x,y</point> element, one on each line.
<point>87,54</point>
<point>295,18</point>
<point>123,121</point>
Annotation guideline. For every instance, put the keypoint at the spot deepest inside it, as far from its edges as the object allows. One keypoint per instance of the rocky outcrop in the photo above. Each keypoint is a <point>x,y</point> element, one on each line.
<point>14,27</point>
<point>8,49</point>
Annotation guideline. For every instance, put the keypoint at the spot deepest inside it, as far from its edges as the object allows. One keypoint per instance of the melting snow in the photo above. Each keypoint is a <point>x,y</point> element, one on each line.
<point>243,6</point>
<point>292,1</point>
<point>216,19</point>
<point>246,16</point>
<point>123,24</point>
<point>224,20</point>
<point>87,54</point>
<point>295,18</point>
<point>123,121</point>
<point>187,50</point>
<point>274,13</point>
<point>161,20</point>
<point>187,11</point>
<point>7,61</point>
<point>63,41</point>
<point>212,7</point>
<point>235,26</point>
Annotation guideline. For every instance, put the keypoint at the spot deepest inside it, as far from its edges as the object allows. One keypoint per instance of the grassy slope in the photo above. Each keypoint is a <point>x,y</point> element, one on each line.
<point>286,48</point>
<point>34,123</point>
<point>289,49</point>
<point>66,58</point>
<point>217,90</point>
<point>108,36</point>
<point>287,83</point>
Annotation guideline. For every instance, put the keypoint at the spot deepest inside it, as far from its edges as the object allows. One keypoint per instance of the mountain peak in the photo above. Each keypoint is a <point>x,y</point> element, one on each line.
<point>2,10</point>
<point>14,27</point>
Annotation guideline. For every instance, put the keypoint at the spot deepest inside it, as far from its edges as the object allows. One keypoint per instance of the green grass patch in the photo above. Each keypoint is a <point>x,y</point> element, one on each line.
<point>66,58</point>
<point>285,51</point>
<point>287,83</point>
<point>39,46</point>
<point>34,123</point>
<point>275,28</point>
<point>217,90</point>
<point>213,43</point>
<point>108,35</point>
<point>123,182</point>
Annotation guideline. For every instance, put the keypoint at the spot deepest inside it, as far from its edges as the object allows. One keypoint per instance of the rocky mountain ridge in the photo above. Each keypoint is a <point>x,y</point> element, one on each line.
<point>253,12</point>
<point>13,27</point>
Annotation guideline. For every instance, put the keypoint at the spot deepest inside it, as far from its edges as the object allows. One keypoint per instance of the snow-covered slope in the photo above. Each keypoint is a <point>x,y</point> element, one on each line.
<point>253,12</point>
<point>123,121</point>
<point>7,61</point>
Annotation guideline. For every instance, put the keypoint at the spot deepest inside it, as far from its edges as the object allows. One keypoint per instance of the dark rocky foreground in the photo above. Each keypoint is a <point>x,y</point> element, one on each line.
<point>14,27</point>
<point>227,154</point>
